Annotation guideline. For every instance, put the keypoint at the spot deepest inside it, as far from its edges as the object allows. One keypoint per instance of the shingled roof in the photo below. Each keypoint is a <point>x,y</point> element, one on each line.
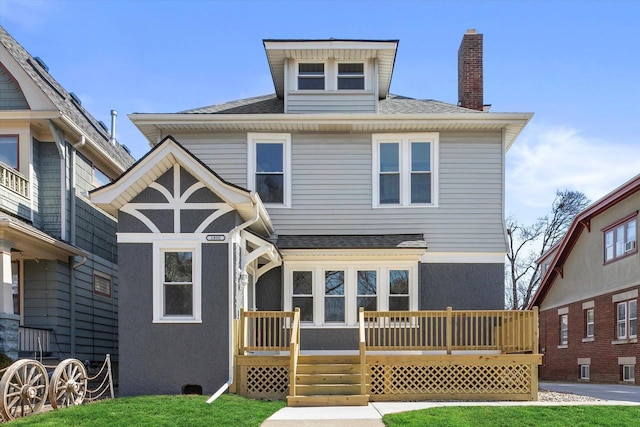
<point>380,241</point>
<point>64,102</point>
<point>271,104</point>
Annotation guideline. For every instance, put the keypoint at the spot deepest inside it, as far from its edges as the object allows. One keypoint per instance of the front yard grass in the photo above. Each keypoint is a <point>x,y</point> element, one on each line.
<point>158,411</point>
<point>521,416</point>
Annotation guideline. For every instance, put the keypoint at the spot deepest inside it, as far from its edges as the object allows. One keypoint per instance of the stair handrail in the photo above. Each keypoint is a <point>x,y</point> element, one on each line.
<point>294,351</point>
<point>363,350</point>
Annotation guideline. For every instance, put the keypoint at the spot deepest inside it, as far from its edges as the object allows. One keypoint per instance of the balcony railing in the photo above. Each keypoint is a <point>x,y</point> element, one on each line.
<point>14,181</point>
<point>266,330</point>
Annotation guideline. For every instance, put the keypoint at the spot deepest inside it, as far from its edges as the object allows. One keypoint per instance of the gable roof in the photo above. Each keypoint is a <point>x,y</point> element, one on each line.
<point>280,50</point>
<point>112,197</point>
<point>580,222</point>
<point>70,110</point>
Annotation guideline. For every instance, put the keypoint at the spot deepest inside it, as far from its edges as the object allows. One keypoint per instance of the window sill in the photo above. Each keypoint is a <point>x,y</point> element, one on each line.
<point>177,321</point>
<point>625,341</point>
<point>397,206</point>
<point>588,339</point>
<point>563,346</point>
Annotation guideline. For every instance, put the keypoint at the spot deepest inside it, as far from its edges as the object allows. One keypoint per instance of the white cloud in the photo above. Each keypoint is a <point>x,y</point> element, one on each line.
<point>545,159</point>
<point>28,14</point>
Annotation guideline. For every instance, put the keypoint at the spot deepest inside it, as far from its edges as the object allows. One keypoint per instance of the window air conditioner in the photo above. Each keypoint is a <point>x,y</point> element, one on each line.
<point>629,246</point>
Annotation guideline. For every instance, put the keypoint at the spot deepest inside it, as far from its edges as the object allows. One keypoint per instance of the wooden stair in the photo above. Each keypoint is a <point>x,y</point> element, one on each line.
<point>328,381</point>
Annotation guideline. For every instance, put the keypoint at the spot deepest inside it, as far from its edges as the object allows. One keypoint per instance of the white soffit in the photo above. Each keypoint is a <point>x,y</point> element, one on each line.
<point>358,50</point>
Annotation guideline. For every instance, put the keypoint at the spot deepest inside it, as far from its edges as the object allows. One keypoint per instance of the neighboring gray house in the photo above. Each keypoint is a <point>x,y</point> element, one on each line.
<point>59,260</point>
<point>329,195</point>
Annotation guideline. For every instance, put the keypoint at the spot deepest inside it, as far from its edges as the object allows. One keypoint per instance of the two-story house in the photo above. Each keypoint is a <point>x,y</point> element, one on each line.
<point>59,259</point>
<point>588,296</point>
<point>329,195</point>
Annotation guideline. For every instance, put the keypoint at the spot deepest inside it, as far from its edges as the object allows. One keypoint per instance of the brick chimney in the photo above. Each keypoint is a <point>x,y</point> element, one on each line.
<point>470,93</point>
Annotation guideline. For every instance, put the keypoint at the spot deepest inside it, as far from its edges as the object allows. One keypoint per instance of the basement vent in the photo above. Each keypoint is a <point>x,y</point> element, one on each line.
<point>41,63</point>
<point>75,98</point>
<point>192,389</point>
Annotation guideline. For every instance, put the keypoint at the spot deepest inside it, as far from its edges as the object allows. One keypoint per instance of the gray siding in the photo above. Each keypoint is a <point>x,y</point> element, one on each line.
<point>96,315</point>
<point>49,196</point>
<point>11,96</point>
<point>335,102</point>
<point>37,176</point>
<point>226,154</point>
<point>332,188</point>
<point>47,301</point>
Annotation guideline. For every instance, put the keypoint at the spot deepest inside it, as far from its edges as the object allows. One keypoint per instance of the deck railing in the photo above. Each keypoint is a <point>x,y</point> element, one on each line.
<point>449,330</point>
<point>14,181</point>
<point>266,330</point>
<point>362,348</point>
<point>294,351</point>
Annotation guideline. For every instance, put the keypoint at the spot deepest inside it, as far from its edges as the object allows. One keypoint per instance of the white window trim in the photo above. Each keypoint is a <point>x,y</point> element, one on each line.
<point>584,372</point>
<point>564,342</point>
<point>281,138</point>
<point>331,76</point>
<point>627,320</point>
<point>628,369</point>
<point>404,140</point>
<point>592,323</point>
<point>159,248</point>
<point>350,268</point>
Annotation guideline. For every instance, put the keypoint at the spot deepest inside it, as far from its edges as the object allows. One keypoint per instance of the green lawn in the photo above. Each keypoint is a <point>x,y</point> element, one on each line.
<point>521,416</point>
<point>158,411</point>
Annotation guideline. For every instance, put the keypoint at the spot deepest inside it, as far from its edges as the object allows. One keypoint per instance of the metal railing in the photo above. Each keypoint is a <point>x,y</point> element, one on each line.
<point>35,340</point>
<point>14,181</point>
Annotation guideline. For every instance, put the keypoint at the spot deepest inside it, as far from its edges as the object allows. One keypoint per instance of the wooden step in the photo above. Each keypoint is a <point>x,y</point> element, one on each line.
<point>335,368</point>
<point>311,359</point>
<point>327,378</point>
<point>323,389</point>
<point>329,400</point>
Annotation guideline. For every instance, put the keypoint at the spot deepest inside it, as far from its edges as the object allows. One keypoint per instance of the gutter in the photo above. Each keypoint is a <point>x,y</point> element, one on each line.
<point>236,231</point>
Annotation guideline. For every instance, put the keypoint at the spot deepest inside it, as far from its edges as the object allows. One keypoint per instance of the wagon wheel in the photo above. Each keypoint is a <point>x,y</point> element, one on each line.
<point>24,389</point>
<point>68,384</point>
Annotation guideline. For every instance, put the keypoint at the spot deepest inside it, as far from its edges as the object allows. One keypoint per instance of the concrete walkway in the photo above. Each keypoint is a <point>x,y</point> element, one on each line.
<point>371,415</point>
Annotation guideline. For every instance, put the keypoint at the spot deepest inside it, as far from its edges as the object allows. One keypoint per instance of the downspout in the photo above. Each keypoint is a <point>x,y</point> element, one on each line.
<point>234,231</point>
<point>72,241</point>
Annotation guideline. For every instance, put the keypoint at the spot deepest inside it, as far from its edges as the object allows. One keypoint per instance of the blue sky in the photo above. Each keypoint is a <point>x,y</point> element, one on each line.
<point>574,64</point>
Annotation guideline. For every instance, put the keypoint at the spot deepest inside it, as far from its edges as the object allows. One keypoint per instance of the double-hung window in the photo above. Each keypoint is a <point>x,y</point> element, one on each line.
<point>311,76</point>
<point>627,319</point>
<point>367,289</point>
<point>269,167</point>
<point>303,294</point>
<point>590,323</point>
<point>9,150</point>
<point>177,287</point>
<point>351,76</point>
<point>620,239</point>
<point>334,304</point>
<point>564,329</point>
<point>405,169</point>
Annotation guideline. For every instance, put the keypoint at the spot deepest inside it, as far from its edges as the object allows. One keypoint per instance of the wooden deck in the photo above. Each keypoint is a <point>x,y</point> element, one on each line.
<point>401,355</point>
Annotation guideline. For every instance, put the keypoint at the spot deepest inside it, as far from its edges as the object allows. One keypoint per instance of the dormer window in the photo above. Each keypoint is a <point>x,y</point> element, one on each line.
<point>351,76</point>
<point>311,76</point>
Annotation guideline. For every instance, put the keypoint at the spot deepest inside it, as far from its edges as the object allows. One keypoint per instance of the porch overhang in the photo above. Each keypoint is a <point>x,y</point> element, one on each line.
<point>265,253</point>
<point>30,243</point>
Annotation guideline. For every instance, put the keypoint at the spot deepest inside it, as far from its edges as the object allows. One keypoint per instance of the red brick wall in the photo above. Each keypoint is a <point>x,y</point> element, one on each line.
<point>561,364</point>
<point>470,87</point>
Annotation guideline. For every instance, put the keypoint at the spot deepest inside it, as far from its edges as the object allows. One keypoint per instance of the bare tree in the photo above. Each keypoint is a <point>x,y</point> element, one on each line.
<point>527,243</point>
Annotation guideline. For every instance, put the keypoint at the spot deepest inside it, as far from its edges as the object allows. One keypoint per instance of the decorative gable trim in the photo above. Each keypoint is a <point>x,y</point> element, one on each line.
<point>169,154</point>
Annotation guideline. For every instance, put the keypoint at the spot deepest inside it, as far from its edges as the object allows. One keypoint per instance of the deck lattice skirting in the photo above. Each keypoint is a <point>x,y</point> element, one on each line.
<point>474,355</point>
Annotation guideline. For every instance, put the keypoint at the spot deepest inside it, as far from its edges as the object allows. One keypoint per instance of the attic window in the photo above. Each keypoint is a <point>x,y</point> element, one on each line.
<point>351,76</point>
<point>311,76</point>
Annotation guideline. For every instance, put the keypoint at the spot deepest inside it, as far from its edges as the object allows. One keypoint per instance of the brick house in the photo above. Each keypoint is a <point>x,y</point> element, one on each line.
<point>588,297</point>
